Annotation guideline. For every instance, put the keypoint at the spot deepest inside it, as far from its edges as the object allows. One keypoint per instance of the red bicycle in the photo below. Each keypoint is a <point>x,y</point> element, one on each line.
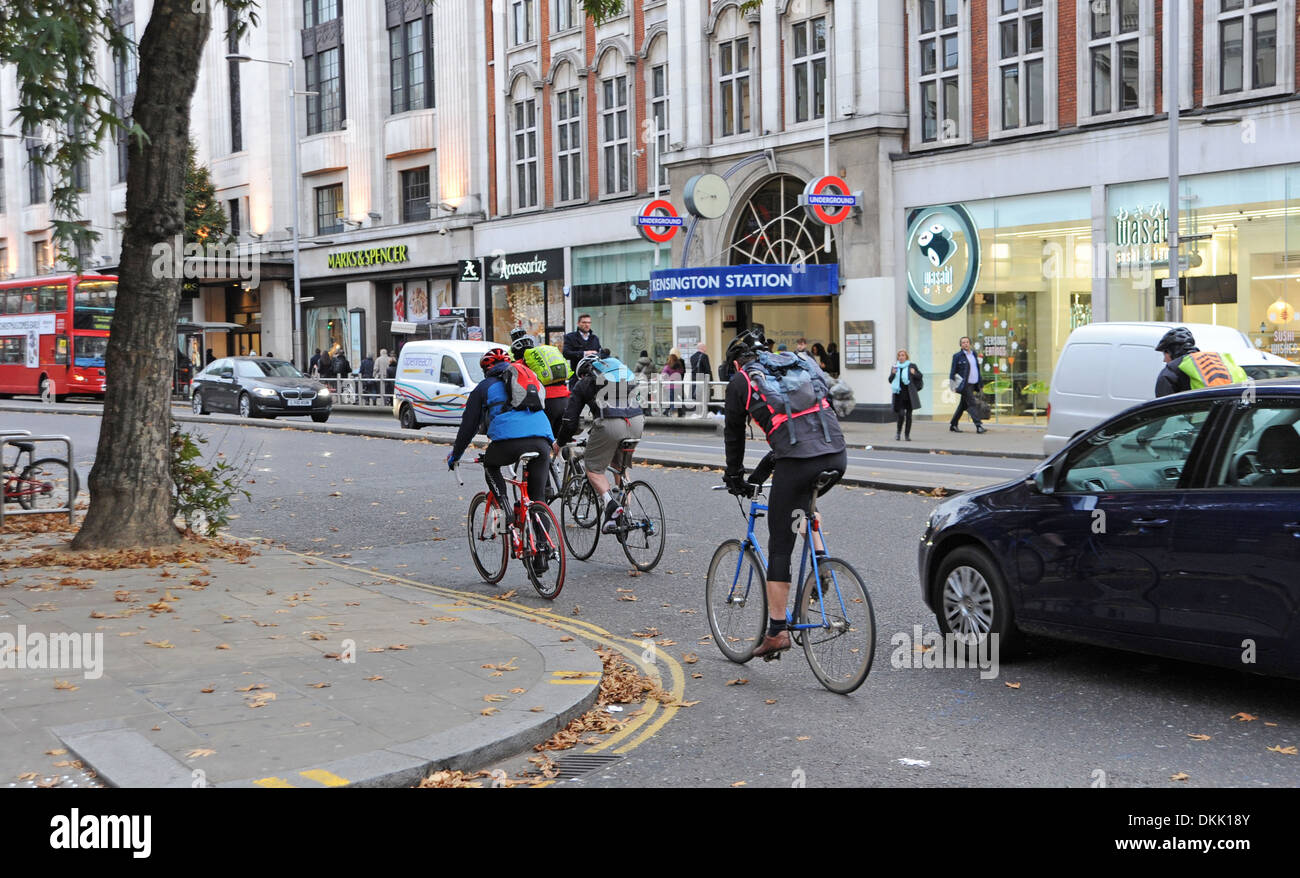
<point>533,536</point>
<point>45,484</point>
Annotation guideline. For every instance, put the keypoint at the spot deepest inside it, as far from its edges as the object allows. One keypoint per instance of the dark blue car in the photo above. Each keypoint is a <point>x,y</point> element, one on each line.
<point>1172,529</point>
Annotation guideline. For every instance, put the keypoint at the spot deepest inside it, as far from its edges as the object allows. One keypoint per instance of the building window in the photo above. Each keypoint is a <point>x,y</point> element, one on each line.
<point>35,173</point>
<point>329,209</point>
<point>81,170</point>
<point>232,210</point>
<point>567,14</point>
<point>1247,39</point>
<point>325,75</point>
<point>939,49</point>
<point>415,195</point>
<point>568,142</point>
<point>124,77</point>
<point>316,12</point>
<point>410,54</point>
<point>236,98</point>
<point>659,113</point>
<point>614,149</point>
<point>808,56</point>
<point>4,266</point>
<point>525,133</point>
<point>1115,55</point>
<point>521,13</point>
<point>733,86</point>
<point>41,257</point>
<point>1020,63</point>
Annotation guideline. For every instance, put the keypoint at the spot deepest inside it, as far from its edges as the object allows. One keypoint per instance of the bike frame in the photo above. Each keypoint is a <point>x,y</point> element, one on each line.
<point>518,548</point>
<point>756,511</point>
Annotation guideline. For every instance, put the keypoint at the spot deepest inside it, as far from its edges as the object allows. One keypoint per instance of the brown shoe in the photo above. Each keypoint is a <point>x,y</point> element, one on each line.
<point>772,647</point>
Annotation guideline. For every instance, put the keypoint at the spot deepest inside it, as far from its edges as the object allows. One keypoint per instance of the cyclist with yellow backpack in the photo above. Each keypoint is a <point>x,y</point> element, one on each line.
<point>552,370</point>
<point>1189,368</point>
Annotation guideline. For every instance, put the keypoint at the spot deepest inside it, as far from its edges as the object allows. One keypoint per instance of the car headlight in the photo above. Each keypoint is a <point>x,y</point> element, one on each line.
<point>264,392</point>
<point>324,391</point>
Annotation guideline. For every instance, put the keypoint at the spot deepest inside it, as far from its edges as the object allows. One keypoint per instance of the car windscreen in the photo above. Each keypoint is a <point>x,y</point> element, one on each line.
<point>88,350</point>
<point>268,369</point>
<point>1272,370</point>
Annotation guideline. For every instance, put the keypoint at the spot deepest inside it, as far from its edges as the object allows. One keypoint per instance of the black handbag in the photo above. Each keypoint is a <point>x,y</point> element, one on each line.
<point>918,380</point>
<point>977,405</point>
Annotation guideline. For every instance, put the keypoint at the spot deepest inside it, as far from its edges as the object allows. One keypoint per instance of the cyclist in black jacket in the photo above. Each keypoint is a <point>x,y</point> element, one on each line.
<point>802,447</point>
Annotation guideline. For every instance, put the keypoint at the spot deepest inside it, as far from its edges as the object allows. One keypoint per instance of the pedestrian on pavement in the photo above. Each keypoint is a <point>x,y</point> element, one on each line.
<point>315,360</point>
<point>645,367</point>
<point>801,346</point>
<point>819,354</point>
<point>965,379</point>
<point>381,372</point>
<point>367,385</point>
<point>325,366</point>
<point>905,379</point>
<point>208,358</point>
<point>269,355</point>
<point>580,341</point>
<point>342,368</point>
<point>833,359</point>
<point>671,375</point>
<point>701,375</point>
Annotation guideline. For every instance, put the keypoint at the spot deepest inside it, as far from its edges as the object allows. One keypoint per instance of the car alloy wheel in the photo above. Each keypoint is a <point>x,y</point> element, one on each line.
<point>968,602</point>
<point>245,406</point>
<point>973,602</point>
<point>196,403</point>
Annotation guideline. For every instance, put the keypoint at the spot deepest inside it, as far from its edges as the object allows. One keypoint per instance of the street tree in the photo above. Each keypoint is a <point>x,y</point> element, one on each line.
<point>54,45</point>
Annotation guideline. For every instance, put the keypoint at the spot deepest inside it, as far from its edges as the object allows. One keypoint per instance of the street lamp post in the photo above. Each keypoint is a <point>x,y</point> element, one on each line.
<point>297,207</point>
<point>1173,300</point>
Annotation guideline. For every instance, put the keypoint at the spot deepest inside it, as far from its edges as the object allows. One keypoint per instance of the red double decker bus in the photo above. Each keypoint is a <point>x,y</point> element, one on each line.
<point>54,333</point>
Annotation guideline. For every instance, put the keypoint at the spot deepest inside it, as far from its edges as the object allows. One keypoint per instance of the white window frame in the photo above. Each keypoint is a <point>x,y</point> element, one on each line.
<point>803,66</point>
<point>1085,43</point>
<point>525,12</point>
<point>524,160</point>
<point>618,146</point>
<point>573,155</point>
<point>1212,50</point>
<point>569,15</point>
<point>962,72</point>
<point>658,120</point>
<point>1046,55</point>
<point>731,82</point>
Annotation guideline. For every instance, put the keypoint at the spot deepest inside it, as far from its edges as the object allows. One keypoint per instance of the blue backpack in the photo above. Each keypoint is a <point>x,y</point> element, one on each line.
<point>615,385</point>
<point>784,386</point>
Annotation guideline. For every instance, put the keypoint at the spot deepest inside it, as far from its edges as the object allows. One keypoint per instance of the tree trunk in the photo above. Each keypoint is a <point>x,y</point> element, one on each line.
<point>130,484</point>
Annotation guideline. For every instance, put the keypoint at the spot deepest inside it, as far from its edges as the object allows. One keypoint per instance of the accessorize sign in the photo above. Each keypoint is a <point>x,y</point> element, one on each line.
<point>366,258</point>
<point>745,280</point>
<point>525,267</point>
<point>943,260</point>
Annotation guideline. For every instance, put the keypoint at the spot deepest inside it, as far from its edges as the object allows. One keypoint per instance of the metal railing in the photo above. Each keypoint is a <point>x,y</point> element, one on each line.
<point>12,473</point>
<point>361,391</point>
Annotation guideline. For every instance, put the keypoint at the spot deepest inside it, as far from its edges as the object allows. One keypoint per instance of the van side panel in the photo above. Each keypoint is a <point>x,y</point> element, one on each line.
<point>1133,371</point>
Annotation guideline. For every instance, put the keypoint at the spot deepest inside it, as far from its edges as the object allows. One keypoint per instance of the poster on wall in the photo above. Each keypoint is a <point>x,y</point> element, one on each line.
<point>399,303</point>
<point>860,344</point>
<point>440,294</point>
<point>418,301</point>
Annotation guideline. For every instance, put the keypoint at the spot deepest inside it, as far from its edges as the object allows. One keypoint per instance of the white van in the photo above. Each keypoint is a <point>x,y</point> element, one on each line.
<point>1107,367</point>
<point>434,379</point>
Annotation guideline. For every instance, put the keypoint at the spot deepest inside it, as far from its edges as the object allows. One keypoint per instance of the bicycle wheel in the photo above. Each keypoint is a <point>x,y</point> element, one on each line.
<point>487,547</point>
<point>544,540</point>
<point>48,484</point>
<point>840,650</point>
<point>735,594</point>
<point>580,517</point>
<point>642,534</point>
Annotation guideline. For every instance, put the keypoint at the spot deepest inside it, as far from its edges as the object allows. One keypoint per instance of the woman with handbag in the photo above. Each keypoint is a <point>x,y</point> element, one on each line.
<point>906,381</point>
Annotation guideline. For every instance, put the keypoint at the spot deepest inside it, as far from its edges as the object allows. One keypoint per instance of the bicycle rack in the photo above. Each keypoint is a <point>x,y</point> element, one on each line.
<point>8,437</point>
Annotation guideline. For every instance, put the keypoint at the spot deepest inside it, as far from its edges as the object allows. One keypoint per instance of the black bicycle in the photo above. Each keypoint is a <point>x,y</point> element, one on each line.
<point>641,529</point>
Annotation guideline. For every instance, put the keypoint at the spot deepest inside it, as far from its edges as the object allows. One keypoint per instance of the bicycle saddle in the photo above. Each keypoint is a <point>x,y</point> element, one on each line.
<point>29,447</point>
<point>827,478</point>
<point>528,455</point>
<point>628,444</point>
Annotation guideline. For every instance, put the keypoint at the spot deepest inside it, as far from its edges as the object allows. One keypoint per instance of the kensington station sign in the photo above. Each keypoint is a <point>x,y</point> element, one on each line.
<point>745,281</point>
<point>366,258</point>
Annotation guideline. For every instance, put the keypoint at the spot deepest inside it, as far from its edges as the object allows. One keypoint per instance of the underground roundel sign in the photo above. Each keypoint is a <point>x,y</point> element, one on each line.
<point>658,221</point>
<point>828,200</point>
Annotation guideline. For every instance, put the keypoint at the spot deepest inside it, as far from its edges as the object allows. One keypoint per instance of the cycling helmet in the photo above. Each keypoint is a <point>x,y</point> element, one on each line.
<point>746,345</point>
<point>1176,342</point>
<point>521,344</point>
<point>586,364</point>
<point>492,358</point>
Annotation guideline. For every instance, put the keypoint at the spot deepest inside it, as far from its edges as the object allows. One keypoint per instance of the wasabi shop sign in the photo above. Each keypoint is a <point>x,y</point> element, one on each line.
<point>367,258</point>
<point>745,281</point>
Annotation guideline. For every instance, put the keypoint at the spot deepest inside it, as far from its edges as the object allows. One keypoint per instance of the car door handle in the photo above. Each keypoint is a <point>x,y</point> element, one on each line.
<point>1293,526</point>
<point>1150,522</point>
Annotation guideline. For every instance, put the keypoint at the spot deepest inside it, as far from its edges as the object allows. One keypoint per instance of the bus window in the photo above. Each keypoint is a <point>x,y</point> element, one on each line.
<point>29,300</point>
<point>13,301</point>
<point>13,351</point>
<point>47,297</point>
<point>61,350</point>
<point>61,298</point>
<point>90,350</point>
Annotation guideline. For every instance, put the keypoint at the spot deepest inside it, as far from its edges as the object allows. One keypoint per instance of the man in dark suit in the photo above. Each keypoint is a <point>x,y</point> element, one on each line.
<point>580,341</point>
<point>965,380</point>
<point>701,375</point>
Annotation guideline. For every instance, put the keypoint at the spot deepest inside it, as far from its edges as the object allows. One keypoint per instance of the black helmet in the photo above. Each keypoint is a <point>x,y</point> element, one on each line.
<point>520,343</point>
<point>1176,342</point>
<point>746,345</point>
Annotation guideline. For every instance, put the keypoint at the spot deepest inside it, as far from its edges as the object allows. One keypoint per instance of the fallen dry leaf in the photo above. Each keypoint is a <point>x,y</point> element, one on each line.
<point>536,709</point>
<point>1013,685</point>
<point>739,783</point>
<point>504,596</point>
<point>223,646</point>
<point>161,644</point>
<point>208,690</point>
<point>690,658</point>
<point>320,685</point>
<point>59,752</point>
<point>738,682</point>
<point>1182,775</point>
<point>697,676</point>
<point>488,711</point>
<point>65,685</point>
<point>399,646</point>
<point>492,698</point>
<point>1286,751</point>
<point>199,752</point>
<point>518,691</point>
<point>566,639</point>
<point>1244,717</point>
<point>1198,737</point>
<point>375,678</point>
<point>28,775</point>
<point>770,701</point>
<point>627,597</point>
<point>251,687</point>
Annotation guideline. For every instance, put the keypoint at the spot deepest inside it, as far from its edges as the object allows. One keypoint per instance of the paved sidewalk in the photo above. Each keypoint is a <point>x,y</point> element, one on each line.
<point>277,670</point>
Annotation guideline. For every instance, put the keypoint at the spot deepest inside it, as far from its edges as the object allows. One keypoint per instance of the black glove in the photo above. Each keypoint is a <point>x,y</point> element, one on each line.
<point>737,485</point>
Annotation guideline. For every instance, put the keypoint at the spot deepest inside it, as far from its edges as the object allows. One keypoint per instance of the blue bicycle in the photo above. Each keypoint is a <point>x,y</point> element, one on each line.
<point>833,619</point>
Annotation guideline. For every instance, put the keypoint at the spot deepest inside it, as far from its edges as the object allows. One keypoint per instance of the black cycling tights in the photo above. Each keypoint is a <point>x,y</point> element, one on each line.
<point>505,452</point>
<point>792,488</point>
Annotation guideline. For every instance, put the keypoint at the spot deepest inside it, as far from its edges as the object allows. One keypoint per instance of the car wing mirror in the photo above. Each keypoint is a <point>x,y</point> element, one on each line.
<point>1044,479</point>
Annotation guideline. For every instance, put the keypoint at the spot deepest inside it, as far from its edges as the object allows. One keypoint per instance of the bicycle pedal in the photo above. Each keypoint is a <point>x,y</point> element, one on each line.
<point>773,656</point>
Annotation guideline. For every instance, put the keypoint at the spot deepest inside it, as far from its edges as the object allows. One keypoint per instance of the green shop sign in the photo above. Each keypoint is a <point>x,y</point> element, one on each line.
<point>365,258</point>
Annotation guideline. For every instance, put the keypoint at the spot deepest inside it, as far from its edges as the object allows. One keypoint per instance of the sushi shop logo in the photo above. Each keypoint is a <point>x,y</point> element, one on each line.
<point>942,260</point>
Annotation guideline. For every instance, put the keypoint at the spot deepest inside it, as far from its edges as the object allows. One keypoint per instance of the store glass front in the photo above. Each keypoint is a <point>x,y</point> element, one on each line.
<point>420,299</point>
<point>527,290</point>
<point>612,284</point>
<point>1028,286</point>
<point>1246,274</point>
